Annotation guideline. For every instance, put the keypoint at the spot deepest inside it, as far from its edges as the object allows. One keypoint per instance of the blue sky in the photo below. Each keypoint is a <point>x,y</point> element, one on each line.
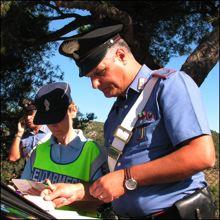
<point>91,100</point>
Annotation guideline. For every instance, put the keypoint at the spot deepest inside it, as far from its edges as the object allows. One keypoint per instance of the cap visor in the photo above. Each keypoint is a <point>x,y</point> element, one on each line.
<point>48,117</point>
<point>92,61</point>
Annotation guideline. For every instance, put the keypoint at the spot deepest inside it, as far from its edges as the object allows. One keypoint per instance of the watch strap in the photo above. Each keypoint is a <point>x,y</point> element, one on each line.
<point>127,173</point>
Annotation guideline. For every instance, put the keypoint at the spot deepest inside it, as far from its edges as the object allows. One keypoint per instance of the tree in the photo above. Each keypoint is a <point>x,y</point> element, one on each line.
<point>155,30</point>
<point>24,66</point>
<point>82,121</point>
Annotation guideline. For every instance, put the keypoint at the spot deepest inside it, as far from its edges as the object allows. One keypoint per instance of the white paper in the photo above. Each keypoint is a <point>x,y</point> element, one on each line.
<point>27,186</point>
<point>39,201</point>
<point>60,214</point>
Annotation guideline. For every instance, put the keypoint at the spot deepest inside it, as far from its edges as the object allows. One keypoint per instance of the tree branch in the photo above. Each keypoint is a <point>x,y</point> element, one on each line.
<point>71,15</point>
<point>66,29</point>
<point>203,58</point>
<point>63,38</point>
<point>52,6</point>
<point>104,10</point>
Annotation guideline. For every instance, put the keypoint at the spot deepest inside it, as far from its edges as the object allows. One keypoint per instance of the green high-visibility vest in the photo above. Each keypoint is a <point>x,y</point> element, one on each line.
<point>79,168</point>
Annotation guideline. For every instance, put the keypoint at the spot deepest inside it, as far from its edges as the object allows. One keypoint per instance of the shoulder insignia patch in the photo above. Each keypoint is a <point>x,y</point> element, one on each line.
<point>163,72</point>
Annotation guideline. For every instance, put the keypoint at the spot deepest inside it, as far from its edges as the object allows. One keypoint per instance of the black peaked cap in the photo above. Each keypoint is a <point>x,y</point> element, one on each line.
<point>89,49</point>
<point>52,102</point>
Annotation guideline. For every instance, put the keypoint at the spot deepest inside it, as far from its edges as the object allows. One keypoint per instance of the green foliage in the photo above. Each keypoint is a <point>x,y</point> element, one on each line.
<point>215,194</point>
<point>94,130</point>
<point>84,28</point>
<point>169,28</point>
<point>24,66</point>
<point>215,137</point>
<point>10,170</point>
<point>81,121</point>
<point>5,6</point>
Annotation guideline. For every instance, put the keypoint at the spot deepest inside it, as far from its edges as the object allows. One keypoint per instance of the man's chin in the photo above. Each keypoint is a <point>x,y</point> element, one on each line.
<point>108,95</point>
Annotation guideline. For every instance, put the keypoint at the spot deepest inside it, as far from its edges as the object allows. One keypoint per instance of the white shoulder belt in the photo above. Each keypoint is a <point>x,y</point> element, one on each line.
<point>123,132</point>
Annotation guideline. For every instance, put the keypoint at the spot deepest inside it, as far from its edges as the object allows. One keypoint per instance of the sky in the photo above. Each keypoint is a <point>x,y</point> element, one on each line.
<point>90,100</point>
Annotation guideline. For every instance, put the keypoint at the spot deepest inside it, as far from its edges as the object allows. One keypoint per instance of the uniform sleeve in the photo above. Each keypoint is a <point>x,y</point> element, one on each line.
<point>27,172</point>
<point>99,165</point>
<point>182,108</point>
<point>25,146</point>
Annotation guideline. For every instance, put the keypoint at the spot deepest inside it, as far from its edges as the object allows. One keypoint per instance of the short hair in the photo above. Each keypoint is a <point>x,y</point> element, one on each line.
<point>120,43</point>
<point>28,106</point>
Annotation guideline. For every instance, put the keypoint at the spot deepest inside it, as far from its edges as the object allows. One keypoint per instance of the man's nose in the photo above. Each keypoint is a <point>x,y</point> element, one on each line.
<point>29,117</point>
<point>95,83</point>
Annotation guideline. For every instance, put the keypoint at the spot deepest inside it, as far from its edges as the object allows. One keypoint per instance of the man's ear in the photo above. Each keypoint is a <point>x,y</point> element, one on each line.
<point>121,55</point>
<point>72,110</point>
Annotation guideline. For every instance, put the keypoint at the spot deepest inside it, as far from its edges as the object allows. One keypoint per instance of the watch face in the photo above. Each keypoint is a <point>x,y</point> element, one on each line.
<point>131,184</point>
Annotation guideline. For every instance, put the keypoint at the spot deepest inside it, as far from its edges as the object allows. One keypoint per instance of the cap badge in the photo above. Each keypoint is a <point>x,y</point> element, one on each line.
<point>47,105</point>
<point>70,47</point>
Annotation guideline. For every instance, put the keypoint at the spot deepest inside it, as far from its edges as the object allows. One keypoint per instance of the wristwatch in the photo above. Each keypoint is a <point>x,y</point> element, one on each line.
<point>130,183</point>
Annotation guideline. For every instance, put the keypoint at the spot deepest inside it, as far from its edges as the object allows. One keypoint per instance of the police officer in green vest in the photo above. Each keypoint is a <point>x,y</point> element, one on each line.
<point>67,157</point>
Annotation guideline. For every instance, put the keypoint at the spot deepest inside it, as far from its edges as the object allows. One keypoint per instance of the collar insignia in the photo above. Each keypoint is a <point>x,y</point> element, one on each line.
<point>141,83</point>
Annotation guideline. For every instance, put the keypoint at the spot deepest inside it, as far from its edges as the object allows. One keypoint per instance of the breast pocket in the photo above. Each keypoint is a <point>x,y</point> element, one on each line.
<point>143,130</point>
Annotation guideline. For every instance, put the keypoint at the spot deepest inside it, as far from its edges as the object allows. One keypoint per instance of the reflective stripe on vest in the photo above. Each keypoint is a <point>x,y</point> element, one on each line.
<point>79,169</point>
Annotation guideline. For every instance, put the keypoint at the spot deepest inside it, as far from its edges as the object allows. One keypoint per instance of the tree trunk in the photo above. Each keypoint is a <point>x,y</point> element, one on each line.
<point>203,58</point>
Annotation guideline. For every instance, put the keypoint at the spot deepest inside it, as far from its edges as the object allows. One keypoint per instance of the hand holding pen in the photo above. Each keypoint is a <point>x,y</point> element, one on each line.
<point>63,193</point>
<point>48,183</point>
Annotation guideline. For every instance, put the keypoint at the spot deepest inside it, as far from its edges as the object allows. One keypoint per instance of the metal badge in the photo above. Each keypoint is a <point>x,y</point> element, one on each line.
<point>150,116</point>
<point>141,83</point>
<point>47,105</point>
<point>70,47</point>
<point>141,133</point>
<point>111,41</point>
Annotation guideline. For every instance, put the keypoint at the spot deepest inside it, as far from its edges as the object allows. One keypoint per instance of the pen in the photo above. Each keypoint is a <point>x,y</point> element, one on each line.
<point>49,184</point>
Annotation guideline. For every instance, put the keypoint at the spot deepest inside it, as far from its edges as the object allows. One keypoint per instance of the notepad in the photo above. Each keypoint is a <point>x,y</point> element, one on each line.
<point>31,191</point>
<point>39,201</point>
<point>58,214</point>
<point>28,186</point>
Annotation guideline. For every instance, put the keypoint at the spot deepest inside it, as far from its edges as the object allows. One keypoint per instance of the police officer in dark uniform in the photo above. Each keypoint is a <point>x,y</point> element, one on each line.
<point>157,168</point>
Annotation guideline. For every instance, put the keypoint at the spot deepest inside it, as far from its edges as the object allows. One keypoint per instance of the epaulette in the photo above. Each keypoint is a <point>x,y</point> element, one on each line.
<point>163,72</point>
